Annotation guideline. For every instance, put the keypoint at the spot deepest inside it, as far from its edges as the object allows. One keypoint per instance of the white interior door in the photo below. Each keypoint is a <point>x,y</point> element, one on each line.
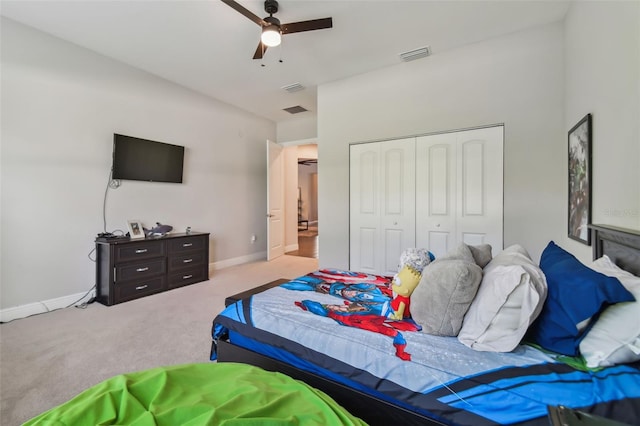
<point>382,204</point>
<point>460,189</point>
<point>398,201</point>
<point>480,187</point>
<point>275,200</point>
<point>364,208</point>
<point>435,193</point>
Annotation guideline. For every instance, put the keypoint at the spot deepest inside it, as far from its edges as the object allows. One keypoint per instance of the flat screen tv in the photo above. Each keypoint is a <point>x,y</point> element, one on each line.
<point>142,159</point>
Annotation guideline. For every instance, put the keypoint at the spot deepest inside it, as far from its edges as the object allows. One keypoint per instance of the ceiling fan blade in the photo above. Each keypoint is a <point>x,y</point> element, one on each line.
<point>245,12</point>
<point>260,51</point>
<point>314,24</point>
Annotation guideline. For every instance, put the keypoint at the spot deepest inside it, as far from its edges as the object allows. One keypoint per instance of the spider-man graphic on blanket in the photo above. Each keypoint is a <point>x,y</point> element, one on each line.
<point>370,302</point>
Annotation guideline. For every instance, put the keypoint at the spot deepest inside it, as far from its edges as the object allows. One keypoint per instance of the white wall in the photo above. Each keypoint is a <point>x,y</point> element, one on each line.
<point>539,83</point>
<point>61,105</point>
<point>602,77</point>
<point>516,80</point>
<point>291,198</point>
<point>298,128</point>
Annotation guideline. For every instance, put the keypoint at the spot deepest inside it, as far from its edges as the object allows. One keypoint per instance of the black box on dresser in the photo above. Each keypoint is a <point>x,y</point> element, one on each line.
<point>128,269</point>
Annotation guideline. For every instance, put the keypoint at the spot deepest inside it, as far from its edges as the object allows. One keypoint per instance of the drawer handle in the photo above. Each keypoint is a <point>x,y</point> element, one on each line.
<point>142,287</point>
<point>141,251</point>
<point>186,277</point>
<point>187,244</point>
<point>146,268</point>
<point>187,261</point>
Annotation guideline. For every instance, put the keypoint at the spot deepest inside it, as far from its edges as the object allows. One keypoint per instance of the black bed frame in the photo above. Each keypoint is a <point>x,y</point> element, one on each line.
<point>621,245</point>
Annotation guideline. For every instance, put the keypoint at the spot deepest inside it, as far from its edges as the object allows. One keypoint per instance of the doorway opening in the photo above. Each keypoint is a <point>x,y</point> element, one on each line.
<point>307,202</point>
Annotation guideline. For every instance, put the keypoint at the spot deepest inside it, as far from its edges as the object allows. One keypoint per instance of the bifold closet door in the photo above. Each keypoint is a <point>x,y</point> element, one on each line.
<point>382,204</point>
<point>459,189</point>
<point>436,192</point>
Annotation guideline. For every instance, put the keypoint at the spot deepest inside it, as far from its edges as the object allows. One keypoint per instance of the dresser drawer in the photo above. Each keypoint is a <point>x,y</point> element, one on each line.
<point>141,269</point>
<point>135,289</point>
<point>141,250</point>
<point>198,242</point>
<point>188,276</point>
<point>189,260</point>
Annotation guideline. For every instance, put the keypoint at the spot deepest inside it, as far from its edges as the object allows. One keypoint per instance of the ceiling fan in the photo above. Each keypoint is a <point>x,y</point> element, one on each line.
<point>272,29</point>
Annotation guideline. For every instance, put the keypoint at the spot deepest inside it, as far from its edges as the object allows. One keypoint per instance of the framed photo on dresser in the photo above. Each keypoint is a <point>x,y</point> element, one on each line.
<point>135,229</point>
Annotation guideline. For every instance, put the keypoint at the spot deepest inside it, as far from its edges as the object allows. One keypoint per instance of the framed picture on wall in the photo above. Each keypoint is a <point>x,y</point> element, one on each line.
<point>135,229</point>
<point>580,180</point>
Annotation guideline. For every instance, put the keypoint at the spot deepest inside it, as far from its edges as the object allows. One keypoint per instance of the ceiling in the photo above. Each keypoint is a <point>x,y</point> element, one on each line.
<point>208,47</point>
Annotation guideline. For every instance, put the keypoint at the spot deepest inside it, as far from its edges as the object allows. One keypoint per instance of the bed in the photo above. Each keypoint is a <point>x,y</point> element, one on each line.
<point>445,382</point>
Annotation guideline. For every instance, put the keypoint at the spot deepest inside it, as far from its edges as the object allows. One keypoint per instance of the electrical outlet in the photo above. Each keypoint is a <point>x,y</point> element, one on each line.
<point>253,238</point>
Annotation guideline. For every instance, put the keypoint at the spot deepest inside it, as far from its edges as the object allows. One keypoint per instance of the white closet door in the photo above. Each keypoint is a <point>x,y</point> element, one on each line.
<point>382,204</point>
<point>398,202</point>
<point>436,193</point>
<point>459,189</point>
<point>480,187</point>
<point>364,208</point>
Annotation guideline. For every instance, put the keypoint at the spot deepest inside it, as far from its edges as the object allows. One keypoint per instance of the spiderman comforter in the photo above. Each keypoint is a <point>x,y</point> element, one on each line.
<point>333,323</point>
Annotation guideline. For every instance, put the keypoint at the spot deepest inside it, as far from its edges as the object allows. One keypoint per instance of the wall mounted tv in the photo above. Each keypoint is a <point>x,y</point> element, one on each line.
<point>142,159</point>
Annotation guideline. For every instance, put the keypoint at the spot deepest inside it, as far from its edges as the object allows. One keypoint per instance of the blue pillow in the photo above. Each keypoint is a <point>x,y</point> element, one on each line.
<point>576,293</point>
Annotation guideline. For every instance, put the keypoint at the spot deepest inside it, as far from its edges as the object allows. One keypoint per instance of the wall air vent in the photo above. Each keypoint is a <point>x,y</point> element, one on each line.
<point>412,55</point>
<point>292,88</point>
<point>295,109</point>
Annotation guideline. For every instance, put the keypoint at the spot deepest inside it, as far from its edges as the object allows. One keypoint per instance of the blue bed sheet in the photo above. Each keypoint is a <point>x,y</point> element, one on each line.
<point>444,380</point>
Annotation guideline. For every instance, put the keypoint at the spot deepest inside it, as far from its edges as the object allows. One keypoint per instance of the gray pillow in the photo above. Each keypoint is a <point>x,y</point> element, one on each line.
<point>481,254</point>
<point>462,252</point>
<point>445,292</point>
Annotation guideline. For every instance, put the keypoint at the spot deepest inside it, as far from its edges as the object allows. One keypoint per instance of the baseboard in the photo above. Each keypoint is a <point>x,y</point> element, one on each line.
<point>292,247</point>
<point>238,260</point>
<point>23,311</point>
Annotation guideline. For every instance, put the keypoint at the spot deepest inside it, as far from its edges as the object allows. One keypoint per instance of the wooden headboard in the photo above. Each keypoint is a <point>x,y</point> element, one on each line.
<point>620,244</point>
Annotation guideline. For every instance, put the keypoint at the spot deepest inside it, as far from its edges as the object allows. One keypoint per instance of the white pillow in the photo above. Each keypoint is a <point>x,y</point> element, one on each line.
<point>510,297</point>
<point>615,337</point>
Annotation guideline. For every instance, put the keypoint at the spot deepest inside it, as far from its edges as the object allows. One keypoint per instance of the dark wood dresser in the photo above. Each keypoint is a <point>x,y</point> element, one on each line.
<point>128,269</point>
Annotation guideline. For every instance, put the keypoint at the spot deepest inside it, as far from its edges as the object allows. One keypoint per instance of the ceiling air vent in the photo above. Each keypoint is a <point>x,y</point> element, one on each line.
<point>292,88</point>
<point>411,55</point>
<point>295,109</point>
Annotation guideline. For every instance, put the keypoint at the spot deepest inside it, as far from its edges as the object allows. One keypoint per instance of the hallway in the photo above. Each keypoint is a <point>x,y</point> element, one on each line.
<point>307,243</point>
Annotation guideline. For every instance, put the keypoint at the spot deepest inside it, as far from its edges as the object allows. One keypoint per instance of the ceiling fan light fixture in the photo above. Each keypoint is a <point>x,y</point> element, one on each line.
<point>272,30</point>
<point>271,36</point>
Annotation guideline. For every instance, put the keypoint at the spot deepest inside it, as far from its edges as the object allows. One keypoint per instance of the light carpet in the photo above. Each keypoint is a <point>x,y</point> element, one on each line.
<point>47,359</point>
